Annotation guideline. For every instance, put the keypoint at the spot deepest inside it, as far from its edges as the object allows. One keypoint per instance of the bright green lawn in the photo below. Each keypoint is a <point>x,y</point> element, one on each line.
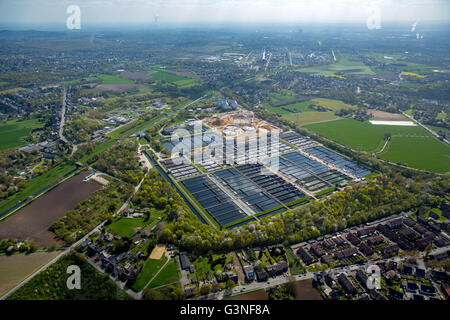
<point>168,275</point>
<point>332,104</point>
<point>149,270</point>
<point>421,153</point>
<point>304,118</point>
<point>110,79</point>
<point>12,132</point>
<point>356,133</point>
<point>409,145</point>
<point>127,227</point>
<point>303,106</point>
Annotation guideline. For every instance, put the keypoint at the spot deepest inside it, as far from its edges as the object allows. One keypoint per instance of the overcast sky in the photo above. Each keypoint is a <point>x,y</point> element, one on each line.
<point>298,11</point>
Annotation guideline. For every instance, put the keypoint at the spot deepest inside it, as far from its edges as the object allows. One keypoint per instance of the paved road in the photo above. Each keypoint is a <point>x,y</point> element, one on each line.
<point>63,117</point>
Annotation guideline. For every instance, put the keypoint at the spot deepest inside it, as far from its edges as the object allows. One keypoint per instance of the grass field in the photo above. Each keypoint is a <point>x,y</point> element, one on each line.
<point>294,264</point>
<point>343,65</point>
<point>12,132</point>
<point>134,127</point>
<point>332,104</point>
<point>110,79</point>
<point>149,270</point>
<point>437,129</point>
<point>398,61</point>
<point>304,118</point>
<point>182,82</point>
<point>409,145</point>
<point>303,106</point>
<point>36,184</point>
<point>127,227</point>
<point>295,107</point>
<point>168,275</point>
<point>422,153</point>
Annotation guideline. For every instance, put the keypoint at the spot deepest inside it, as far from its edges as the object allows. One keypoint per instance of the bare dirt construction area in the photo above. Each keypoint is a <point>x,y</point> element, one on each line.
<point>32,222</point>
<point>255,295</point>
<point>386,116</point>
<point>304,290</point>
<point>16,268</point>
<point>115,87</point>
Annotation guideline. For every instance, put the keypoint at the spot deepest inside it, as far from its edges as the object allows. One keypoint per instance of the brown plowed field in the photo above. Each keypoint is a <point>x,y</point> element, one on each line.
<point>32,222</point>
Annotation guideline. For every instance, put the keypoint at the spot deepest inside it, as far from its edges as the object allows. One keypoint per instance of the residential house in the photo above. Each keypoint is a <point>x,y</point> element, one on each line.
<point>249,273</point>
<point>305,256</point>
<point>353,239</point>
<point>345,253</point>
<point>376,240</point>
<point>395,223</point>
<point>184,262</point>
<point>346,284</point>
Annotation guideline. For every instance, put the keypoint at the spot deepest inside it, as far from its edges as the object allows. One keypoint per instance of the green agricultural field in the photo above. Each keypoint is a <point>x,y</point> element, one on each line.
<point>110,79</point>
<point>334,105</point>
<point>151,267</point>
<point>356,134</point>
<point>127,227</point>
<point>409,145</point>
<point>400,64</point>
<point>13,131</point>
<point>343,65</point>
<point>36,184</point>
<point>168,275</point>
<point>303,106</point>
<point>180,81</point>
<point>425,153</point>
<point>294,107</point>
<point>169,77</point>
<point>437,129</point>
<point>304,118</point>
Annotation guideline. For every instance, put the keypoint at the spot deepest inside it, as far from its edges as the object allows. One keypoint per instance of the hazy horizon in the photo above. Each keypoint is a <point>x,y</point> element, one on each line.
<point>22,13</point>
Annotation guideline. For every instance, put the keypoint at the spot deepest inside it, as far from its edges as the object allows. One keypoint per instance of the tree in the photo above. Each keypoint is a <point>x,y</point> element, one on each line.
<point>205,289</point>
<point>230,284</point>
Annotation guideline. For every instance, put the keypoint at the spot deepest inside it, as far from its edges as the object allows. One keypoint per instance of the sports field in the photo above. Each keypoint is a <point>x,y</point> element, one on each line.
<point>413,146</point>
<point>12,132</point>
